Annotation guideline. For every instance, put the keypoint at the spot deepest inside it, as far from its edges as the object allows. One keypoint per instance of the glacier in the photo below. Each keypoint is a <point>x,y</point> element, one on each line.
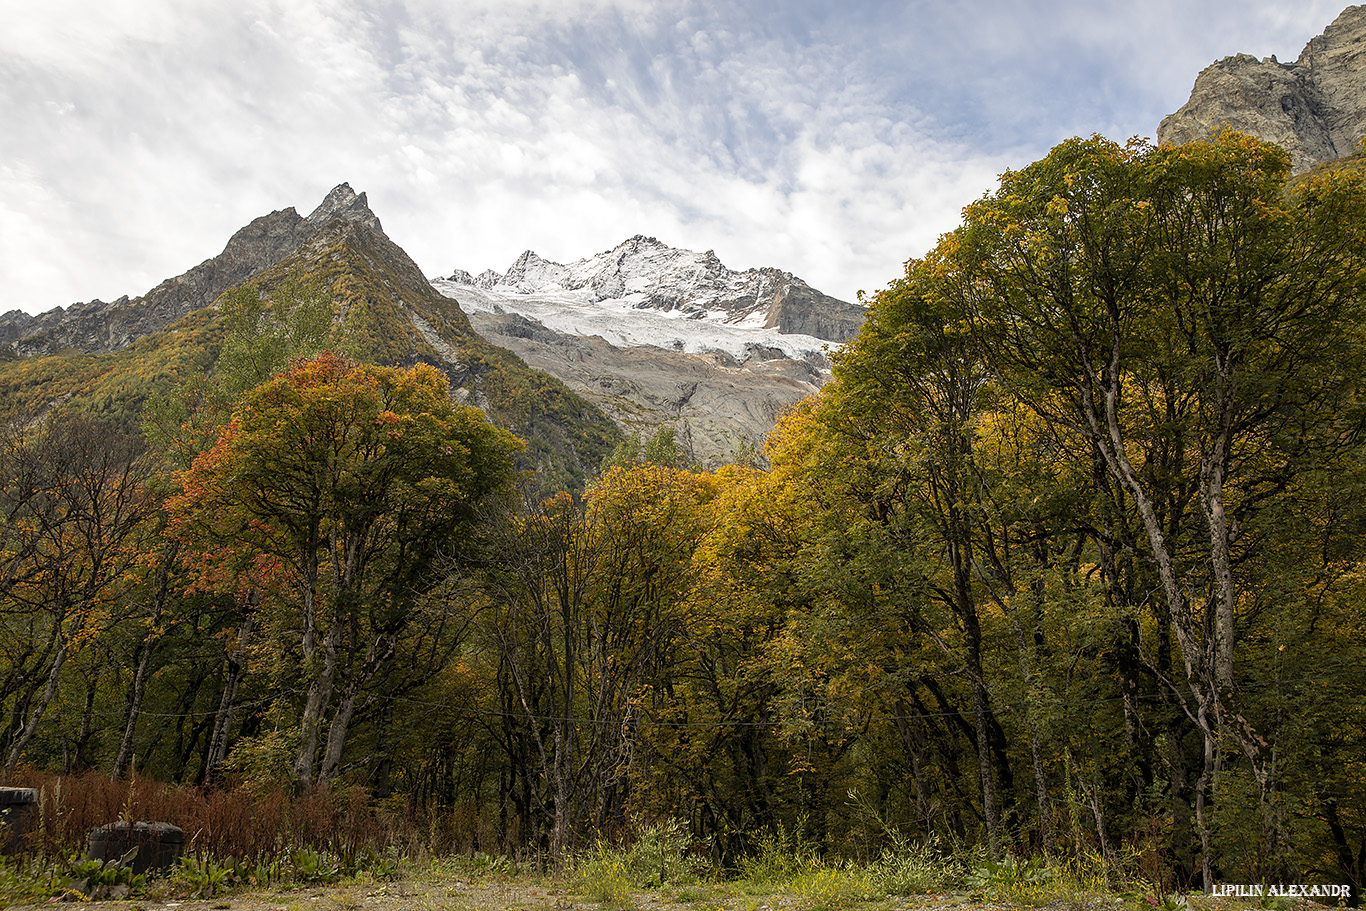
<point>645,293</point>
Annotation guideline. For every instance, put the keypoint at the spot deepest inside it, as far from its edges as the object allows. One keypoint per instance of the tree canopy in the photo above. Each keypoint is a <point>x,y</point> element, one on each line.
<point>340,492</point>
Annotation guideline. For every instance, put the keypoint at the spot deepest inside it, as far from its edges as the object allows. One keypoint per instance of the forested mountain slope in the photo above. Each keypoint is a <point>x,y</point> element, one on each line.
<point>108,359</point>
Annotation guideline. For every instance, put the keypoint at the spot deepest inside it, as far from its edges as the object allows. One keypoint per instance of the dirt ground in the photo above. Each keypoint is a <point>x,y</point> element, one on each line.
<point>489,896</point>
<point>492,895</point>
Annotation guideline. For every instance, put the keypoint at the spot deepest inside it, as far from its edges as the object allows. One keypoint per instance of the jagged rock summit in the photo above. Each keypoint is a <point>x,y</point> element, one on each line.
<point>99,327</point>
<point>1315,107</point>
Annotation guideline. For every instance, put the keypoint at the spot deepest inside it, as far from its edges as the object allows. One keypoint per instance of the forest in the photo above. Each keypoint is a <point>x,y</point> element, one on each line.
<point>1066,560</point>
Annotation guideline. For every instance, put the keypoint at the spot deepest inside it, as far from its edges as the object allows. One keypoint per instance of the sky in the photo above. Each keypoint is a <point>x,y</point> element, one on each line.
<point>833,139</point>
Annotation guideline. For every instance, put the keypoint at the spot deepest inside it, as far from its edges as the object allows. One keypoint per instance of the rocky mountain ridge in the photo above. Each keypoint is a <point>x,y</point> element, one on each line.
<point>1315,107</point>
<point>111,358</point>
<point>647,333</point>
<point>646,274</point>
<point>100,327</point>
<point>654,334</point>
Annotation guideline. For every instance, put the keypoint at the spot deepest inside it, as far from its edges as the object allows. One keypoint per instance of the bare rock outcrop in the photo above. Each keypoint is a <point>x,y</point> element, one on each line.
<point>718,404</point>
<point>1315,107</point>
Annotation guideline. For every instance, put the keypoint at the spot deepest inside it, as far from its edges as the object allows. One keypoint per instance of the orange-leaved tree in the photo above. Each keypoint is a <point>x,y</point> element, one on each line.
<point>338,496</point>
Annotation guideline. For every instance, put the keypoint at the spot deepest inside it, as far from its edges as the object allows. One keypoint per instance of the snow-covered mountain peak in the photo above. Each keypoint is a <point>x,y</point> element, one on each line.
<point>530,273</point>
<point>645,273</point>
<point>644,292</point>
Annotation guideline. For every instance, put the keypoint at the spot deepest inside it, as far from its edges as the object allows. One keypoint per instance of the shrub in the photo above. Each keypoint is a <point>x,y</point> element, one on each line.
<point>910,868</point>
<point>660,855</point>
<point>823,888</point>
<point>600,875</point>
<point>778,858</point>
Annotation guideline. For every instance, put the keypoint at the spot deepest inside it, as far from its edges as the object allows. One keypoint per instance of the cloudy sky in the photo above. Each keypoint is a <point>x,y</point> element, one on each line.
<point>830,138</point>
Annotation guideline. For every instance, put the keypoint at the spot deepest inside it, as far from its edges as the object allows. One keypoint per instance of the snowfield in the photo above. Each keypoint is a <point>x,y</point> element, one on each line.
<point>622,322</point>
<point>643,293</point>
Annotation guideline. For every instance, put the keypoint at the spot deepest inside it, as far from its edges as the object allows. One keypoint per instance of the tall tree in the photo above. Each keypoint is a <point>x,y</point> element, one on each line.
<point>589,599</point>
<point>336,492</point>
<point>74,498</point>
<point>1177,301</point>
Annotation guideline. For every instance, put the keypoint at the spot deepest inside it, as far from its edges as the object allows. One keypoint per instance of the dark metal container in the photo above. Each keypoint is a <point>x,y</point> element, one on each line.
<point>159,844</point>
<point>16,808</point>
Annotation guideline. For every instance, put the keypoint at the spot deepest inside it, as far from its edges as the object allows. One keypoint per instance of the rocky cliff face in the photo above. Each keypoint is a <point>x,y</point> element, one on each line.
<point>717,404</point>
<point>1315,107</point>
<point>98,327</point>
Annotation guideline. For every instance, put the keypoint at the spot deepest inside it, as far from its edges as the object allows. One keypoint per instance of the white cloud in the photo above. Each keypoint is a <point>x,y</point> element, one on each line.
<point>833,140</point>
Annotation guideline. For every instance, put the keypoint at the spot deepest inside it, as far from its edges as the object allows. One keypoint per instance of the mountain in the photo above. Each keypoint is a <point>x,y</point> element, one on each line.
<point>644,274</point>
<point>1314,107</point>
<point>657,335</point>
<point>110,358</point>
<point>105,327</point>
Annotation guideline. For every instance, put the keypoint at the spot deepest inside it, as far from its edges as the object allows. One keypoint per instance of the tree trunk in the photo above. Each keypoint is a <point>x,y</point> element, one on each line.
<point>1107,436</point>
<point>979,706</point>
<point>145,652</point>
<point>36,716</point>
<point>1092,795</point>
<point>135,693</point>
<point>315,706</point>
<point>960,557</point>
<point>337,730</point>
<point>1202,790</point>
<point>1022,651</point>
<point>377,656</point>
<point>911,746</point>
<point>227,702</point>
<point>77,759</point>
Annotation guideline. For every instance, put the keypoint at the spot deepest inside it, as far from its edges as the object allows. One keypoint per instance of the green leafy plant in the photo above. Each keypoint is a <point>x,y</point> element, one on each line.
<point>382,866</point>
<point>492,864</point>
<point>1007,877</point>
<point>202,878</point>
<point>315,867</point>
<point>97,879</point>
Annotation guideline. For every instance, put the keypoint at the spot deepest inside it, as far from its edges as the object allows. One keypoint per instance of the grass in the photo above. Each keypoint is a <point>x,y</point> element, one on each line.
<point>239,843</point>
<point>614,877</point>
<point>780,867</point>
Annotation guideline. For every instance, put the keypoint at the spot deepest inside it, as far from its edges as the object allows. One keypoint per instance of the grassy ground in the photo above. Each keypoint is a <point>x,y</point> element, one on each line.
<point>461,885</point>
<point>659,871</point>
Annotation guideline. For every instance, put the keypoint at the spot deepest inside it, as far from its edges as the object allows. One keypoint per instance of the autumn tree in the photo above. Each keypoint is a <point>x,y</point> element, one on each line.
<point>74,496</point>
<point>1193,321</point>
<point>336,495</point>
<point>589,598</point>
